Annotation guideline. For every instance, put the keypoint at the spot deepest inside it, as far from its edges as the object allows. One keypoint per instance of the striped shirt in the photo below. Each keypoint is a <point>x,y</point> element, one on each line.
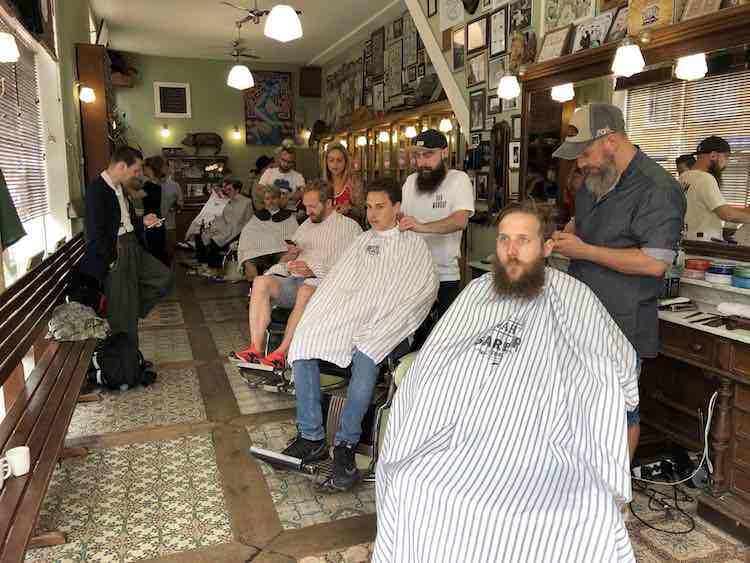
<point>322,244</point>
<point>261,238</point>
<point>375,296</point>
<point>507,441</point>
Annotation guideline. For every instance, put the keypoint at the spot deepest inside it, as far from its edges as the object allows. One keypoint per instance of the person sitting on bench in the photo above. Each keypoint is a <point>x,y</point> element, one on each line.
<point>227,226</point>
<point>507,438</point>
<point>319,242</point>
<point>262,242</point>
<point>375,296</point>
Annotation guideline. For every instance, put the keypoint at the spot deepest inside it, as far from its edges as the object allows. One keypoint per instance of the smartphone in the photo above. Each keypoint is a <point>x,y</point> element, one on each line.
<point>159,223</point>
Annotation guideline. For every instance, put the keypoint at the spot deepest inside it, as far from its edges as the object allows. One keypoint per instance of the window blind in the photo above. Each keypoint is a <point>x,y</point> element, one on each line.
<point>667,120</point>
<point>22,154</point>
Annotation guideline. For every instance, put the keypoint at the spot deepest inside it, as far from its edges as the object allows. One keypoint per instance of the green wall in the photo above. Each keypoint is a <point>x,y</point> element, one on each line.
<point>215,107</point>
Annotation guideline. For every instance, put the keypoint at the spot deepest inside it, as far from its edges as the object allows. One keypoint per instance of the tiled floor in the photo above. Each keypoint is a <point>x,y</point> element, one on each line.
<point>228,336</point>
<point>251,401</point>
<point>220,310</point>
<point>297,501</point>
<point>174,398</point>
<point>167,313</point>
<point>168,344</point>
<point>354,554</point>
<point>135,502</point>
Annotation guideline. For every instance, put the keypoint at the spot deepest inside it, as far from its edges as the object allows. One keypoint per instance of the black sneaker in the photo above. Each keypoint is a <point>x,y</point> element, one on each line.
<point>345,472</point>
<point>307,450</point>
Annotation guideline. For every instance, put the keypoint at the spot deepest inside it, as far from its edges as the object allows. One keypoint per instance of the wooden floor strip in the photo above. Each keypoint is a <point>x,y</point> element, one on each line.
<point>323,538</point>
<point>155,434</point>
<point>226,553</point>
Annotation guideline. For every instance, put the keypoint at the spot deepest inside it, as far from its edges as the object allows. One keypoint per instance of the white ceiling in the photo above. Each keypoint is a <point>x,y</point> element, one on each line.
<point>205,28</point>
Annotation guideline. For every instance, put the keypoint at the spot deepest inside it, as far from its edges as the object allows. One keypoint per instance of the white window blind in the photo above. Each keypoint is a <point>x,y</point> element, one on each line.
<point>22,155</point>
<point>667,120</point>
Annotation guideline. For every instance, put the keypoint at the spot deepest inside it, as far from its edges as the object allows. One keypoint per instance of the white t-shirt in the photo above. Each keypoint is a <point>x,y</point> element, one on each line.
<point>454,194</point>
<point>125,224</point>
<point>703,196</point>
<point>291,180</point>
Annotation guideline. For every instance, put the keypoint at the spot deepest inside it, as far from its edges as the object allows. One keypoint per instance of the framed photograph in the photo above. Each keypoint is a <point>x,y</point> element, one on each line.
<point>476,35</point>
<point>511,105</point>
<point>619,28</point>
<point>698,8</point>
<point>651,13</point>
<point>498,32</point>
<point>368,99</point>
<point>514,155</point>
<point>412,73</point>
<point>555,44</point>
<point>516,126</point>
<point>592,33</point>
<point>420,71</point>
<point>459,55</point>
<point>395,66</point>
<point>378,52</point>
<point>431,8</point>
<point>476,70</point>
<point>489,123</point>
<point>493,105</point>
<point>497,69</point>
<point>378,96</point>
<point>481,183</point>
<point>477,106</point>
<point>476,138</point>
<point>398,28</point>
<point>519,15</point>
<point>485,5</point>
<point>560,13</point>
<point>420,57</point>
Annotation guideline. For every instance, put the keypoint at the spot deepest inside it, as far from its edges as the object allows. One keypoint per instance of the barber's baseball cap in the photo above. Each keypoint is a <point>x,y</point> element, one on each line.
<point>431,139</point>
<point>713,144</point>
<point>588,124</point>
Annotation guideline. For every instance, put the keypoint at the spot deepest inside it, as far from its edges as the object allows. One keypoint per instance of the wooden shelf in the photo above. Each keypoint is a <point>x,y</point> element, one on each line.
<point>396,117</point>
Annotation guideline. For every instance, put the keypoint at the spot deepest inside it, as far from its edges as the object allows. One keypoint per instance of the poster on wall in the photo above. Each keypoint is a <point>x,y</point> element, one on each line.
<point>269,108</point>
<point>378,52</point>
<point>395,64</point>
<point>410,41</point>
<point>451,13</point>
<point>559,13</point>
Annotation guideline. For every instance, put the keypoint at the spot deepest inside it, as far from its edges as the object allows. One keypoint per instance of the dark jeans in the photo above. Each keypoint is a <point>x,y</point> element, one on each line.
<point>209,254</point>
<point>447,294</point>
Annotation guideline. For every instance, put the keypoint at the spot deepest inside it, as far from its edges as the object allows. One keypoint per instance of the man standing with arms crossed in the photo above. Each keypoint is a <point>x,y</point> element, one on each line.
<point>629,216</point>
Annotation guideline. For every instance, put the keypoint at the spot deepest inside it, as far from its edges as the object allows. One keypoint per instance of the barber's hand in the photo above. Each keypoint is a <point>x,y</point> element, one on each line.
<point>293,251</point>
<point>569,245</point>
<point>300,268</point>
<point>150,220</point>
<point>408,223</point>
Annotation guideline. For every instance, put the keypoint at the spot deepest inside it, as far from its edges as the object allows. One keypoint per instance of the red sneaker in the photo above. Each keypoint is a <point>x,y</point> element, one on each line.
<point>276,360</point>
<point>248,356</point>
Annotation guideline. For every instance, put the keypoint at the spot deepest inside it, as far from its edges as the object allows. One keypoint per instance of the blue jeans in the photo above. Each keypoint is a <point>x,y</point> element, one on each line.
<point>634,416</point>
<point>309,411</point>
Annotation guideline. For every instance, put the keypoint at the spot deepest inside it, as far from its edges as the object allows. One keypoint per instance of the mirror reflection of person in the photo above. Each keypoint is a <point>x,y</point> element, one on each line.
<point>706,207</point>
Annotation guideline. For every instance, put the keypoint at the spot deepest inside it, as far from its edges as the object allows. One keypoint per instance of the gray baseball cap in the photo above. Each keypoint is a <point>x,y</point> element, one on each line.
<point>588,124</point>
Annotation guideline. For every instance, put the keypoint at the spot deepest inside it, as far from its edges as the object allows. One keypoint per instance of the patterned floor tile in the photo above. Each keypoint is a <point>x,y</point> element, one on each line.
<point>252,401</point>
<point>166,313</point>
<point>220,310</point>
<point>230,336</point>
<point>173,399</point>
<point>297,501</point>
<point>168,344</point>
<point>354,554</point>
<point>172,502</point>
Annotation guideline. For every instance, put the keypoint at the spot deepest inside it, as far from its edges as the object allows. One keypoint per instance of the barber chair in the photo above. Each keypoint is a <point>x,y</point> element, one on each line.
<point>393,370</point>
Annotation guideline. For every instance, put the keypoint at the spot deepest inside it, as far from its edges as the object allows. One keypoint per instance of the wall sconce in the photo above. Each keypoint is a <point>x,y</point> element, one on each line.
<point>691,67</point>
<point>361,141</point>
<point>165,131</point>
<point>236,134</point>
<point>87,95</point>
<point>563,92</point>
<point>445,125</point>
<point>411,132</point>
<point>383,137</point>
<point>8,49</point>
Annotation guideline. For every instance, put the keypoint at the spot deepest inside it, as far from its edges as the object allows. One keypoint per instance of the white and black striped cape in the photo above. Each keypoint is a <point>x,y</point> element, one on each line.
<point>322,244</point>
<point>261,238</point>
<point>375,296</point>
<point>507,441</point>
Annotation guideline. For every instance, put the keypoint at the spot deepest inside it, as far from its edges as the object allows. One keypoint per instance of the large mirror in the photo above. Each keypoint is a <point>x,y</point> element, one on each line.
<point>666,118</point>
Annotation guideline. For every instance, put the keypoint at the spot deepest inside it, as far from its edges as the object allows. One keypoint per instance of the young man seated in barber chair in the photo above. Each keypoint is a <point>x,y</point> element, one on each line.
<point>318,244</point>
<point>375,297</point>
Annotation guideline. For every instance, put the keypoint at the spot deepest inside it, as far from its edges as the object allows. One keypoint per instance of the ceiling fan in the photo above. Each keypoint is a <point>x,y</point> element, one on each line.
<point>237,49</point>
<point>253,14</point>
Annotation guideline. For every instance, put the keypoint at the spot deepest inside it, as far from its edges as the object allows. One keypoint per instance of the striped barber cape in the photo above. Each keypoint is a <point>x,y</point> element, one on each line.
<point>261,237</point>
<point>375,296</point>
<point>507,441</point>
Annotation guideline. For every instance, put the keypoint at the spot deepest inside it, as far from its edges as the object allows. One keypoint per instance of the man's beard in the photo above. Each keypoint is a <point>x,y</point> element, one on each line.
<point>715,171</point>
<point>528,286</point>
<point>317,218</point>
<point>600,181</point>
<point>428,179</point>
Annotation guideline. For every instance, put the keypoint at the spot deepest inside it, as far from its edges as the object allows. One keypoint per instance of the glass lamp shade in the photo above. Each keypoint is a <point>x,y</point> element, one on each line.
<point>628,60</point>
<point>445,125</point>
<point>283,24</point>
<point>240,78</point>
<point>691,67</point>
<point>411,132</point>
<point>8,49</point>
<point>563,92</point>
<point>509,87</point>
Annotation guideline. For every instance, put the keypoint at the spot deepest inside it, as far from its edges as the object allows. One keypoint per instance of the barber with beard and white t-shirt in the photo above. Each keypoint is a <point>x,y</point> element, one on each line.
<point>437,204</point>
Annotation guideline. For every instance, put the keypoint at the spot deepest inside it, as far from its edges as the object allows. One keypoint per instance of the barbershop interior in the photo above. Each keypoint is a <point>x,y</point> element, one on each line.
<point>327,281</point>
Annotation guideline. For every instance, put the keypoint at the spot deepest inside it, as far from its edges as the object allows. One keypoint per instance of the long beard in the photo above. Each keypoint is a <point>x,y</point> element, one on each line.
<point>715,171</point>
<point>600,181</point>
<point>528,286</point>
<point>429,179</point>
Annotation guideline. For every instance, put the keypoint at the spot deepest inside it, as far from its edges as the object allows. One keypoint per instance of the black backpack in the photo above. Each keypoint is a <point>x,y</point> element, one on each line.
<point>118,364</point>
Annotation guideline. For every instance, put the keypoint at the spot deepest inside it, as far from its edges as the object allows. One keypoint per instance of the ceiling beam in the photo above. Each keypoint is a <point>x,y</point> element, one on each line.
<point>445,75</point>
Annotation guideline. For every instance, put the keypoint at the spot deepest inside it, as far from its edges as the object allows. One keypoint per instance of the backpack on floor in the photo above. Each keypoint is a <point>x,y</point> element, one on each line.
<point>118,364</point>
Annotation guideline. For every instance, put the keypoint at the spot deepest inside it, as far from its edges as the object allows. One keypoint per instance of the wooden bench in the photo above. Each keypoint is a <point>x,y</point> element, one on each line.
<point>40,414</point>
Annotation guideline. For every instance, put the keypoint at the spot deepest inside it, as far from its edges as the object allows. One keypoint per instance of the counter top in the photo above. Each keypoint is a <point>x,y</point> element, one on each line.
<point>739,334</point>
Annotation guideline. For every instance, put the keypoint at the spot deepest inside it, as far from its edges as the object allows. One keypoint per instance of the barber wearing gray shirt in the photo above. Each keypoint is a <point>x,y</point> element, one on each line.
<point>629,217</point>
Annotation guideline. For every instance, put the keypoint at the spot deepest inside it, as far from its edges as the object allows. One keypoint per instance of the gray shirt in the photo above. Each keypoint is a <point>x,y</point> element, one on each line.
<point>646,210</point>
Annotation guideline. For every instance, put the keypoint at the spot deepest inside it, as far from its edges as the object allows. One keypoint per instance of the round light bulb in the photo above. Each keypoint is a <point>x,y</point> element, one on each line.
<point>87,95</point>
<point>236,135</point>
<point>165,131</point>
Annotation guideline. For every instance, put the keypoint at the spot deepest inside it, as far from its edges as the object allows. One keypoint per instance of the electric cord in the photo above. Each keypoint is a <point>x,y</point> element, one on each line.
<point>659,501</point>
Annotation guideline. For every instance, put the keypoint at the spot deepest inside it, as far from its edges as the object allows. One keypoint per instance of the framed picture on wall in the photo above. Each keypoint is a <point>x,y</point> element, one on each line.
<point>378,52</point>
<point>432,8</point>
<point>482,183</point>
<point>412,73</point>
<point>476,35</point>
<point>698,8</point>
<point>459,55</point>
<point>378,96</point>
<point>519,15</point>
<point>497,68</point>
<point>511,105</point>
<point>619,28</point>
<point>592,33</point>
<point>475,139</point>
<point>493,105</point>
<point>498,32</point>
<point>514,155</point>
<point>476,70</point>
<point>398,28</point>
<point>516,126</point>
<point>477,106</point>
<point>555,44</point>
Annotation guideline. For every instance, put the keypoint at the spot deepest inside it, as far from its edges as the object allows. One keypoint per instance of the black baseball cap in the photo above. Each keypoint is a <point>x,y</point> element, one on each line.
<point>431,139</point>
<point>713,144</point>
